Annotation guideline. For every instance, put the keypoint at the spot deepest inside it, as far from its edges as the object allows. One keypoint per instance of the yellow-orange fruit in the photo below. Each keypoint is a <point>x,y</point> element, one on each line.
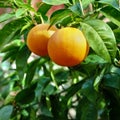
<point>38,37</point>
<point>68,47</point>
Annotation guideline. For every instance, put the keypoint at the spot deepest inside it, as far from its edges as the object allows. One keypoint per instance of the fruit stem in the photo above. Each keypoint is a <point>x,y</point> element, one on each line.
<point>53,79</point>
<point>81,8</point>
<point>99,78</point>
<point>42,21</point>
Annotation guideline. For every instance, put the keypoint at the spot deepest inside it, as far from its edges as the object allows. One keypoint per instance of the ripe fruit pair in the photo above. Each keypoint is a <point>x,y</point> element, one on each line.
<point>65,46</point>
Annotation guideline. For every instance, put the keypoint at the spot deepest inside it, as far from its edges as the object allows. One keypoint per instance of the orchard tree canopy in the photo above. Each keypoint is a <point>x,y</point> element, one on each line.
<point>34,87</point>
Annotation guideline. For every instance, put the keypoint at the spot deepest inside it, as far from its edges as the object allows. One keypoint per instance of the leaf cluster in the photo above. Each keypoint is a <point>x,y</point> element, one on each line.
<point>34,88</point>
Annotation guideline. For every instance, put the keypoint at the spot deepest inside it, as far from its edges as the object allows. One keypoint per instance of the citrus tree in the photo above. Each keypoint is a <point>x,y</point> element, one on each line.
<point>37,86</point>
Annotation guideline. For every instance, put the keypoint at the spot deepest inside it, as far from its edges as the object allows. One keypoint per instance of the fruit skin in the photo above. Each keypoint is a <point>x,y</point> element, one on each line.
<point>38,37</point>
<point>68,47</point>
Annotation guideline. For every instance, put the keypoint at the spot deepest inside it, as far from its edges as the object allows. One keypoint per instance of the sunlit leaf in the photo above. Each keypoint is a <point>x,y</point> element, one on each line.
<point>56,2</point>
<point>100,38</point>
<point>23,5</point>
<point>20,12</point>
<point>6,16</point>
<point>93,58</point>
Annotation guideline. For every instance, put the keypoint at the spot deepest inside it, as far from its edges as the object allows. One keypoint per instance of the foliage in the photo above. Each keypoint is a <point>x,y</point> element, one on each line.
<point>35,88</point>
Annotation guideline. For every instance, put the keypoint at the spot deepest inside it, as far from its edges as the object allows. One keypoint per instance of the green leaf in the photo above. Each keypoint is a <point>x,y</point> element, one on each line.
<point>12,45</point>
<point>20,12</point>
<point>10,30</point>
<point>23,5</point>
<point>86,110</point>
<point>60,76</point>
<point>98,78</point>
<point>9,99</point>
<point>93,58</point>
<point>85,3</point>
<point>43,9</point>
<point>5,3</point>
<point>113,3</point>
<point>60,15</point>
<point>21,60</point>
<point>45,107</point>
<point>100,38</point>
<point>5,112</point>
<point>25,113</point>
<point>27,95</point>
<point>91,64</point>
<point>112,14</point>
<point>29,1</point>
<point>31,69</point>
<point>59,108</point>
<point>6,16</point>
<point>88,91</point>
<point>43,117</point>
<point>117,34</point>
<point>55,2</point>
<point>50,89</point>
<point>32,113</point>
<point>112,80</point>
<point>44,81</point>
<point>28,25</point>
<point>90,112</point>
<point>10,54</point>
<point>76,9</point>
<point>115,70</point>
<point>72,90</point>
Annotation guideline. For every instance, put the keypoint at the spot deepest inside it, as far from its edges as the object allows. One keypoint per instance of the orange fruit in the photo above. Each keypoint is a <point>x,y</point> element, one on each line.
<point>38,37</point>
<point>68,47</point>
